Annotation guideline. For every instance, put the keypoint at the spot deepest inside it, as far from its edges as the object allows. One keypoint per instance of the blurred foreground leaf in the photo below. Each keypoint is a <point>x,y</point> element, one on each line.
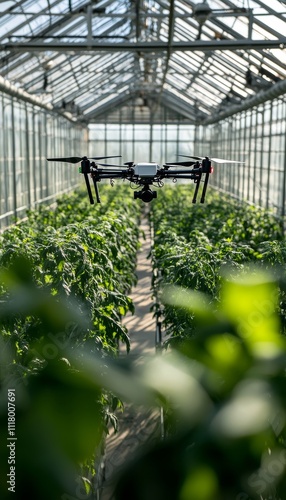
<point>223,394</point>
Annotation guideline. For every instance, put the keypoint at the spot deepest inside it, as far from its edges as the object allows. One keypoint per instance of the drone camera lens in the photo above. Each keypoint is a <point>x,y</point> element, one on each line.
<point>145,195</point>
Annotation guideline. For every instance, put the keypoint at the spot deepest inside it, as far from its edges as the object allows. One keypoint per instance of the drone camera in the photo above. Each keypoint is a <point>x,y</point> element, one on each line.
<point>146,169</point>
<point>145,195</point>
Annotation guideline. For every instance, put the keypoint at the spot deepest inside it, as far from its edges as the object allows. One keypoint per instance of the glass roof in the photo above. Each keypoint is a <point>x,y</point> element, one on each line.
<point>87,58</point>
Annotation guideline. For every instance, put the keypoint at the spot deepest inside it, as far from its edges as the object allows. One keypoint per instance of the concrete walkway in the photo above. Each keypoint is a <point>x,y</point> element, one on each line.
<point>141,326</point>
<point>136,424</point>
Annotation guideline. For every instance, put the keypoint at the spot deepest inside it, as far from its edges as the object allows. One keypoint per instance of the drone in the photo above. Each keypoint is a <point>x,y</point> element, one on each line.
<point>145,175</point>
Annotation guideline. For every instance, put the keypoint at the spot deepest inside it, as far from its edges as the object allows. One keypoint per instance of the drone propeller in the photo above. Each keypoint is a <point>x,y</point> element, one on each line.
<point>77,159</point>
<point>72,159</point>
<point>220,160</point>
<point>181,164</point>
<point>111,165</point>
<point>193,157</point>
<point>215,160</point>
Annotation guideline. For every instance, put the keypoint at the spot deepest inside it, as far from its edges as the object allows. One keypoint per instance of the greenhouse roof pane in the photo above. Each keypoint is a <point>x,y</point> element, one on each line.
<point>87,56</point>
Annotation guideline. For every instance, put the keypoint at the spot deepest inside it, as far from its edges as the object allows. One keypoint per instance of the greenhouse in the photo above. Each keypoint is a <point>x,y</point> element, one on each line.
<point>142,249</point>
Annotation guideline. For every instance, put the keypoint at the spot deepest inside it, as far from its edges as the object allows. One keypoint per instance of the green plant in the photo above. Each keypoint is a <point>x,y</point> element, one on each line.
<point>192,243</point>
<point>66,275</point>
<point>223,392</point>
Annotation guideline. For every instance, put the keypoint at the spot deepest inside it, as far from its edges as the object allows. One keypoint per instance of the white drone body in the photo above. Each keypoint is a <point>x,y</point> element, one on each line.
<point>147,170</point>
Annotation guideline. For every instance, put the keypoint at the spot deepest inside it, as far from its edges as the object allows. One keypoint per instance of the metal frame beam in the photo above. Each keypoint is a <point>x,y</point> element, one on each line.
<point>152,46</point>
<point>276,90</point>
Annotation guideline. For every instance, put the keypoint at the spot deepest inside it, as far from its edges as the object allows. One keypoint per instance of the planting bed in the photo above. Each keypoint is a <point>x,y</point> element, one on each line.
<point>195,244</point>
<point>65,280</point>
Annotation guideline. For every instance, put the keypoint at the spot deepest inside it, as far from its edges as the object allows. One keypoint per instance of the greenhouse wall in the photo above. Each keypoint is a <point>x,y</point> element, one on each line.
<point>140,142</point>
<point>28,135</point>
<point>256,136</point>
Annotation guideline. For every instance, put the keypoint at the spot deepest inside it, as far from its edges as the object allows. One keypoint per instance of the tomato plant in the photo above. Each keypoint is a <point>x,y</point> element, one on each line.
<point>66,275</point>
<point>193,243</point>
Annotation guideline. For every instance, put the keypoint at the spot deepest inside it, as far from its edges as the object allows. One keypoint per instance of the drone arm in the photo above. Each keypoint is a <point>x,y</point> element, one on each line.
<point>171,173</point>
<point>111,175</point>
<point>195,174</point>
<point>98,174</point>
<point>182,176</point>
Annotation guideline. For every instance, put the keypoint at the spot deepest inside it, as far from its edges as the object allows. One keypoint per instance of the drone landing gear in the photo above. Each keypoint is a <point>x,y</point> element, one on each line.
<point>85,170</point>
<point>96,190</point>
<point>88,189</point>
<point>197,182</point>
<point>205,187</point>
<point>146,194</point>
<point>206,169</point>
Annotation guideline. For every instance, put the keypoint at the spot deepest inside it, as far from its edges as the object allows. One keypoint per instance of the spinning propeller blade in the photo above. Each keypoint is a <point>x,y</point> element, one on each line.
<point>193,157</point>
<point>220,160</point>
<point>71,159</point>
<point>77,159</point>
<point>104,157</point>
<point>111,165</point>
<point>181,164</point>
<point>215,160</point>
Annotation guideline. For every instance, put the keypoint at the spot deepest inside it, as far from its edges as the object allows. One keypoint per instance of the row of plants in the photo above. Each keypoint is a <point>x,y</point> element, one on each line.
<point>66,272</point>
<point>219,284</point>
<point>224,390</point>
<point>83,252</point>
<point>194,244</point>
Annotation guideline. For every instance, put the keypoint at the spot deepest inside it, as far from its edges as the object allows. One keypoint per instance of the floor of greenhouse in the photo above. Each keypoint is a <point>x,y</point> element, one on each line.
<point>136,424</point>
